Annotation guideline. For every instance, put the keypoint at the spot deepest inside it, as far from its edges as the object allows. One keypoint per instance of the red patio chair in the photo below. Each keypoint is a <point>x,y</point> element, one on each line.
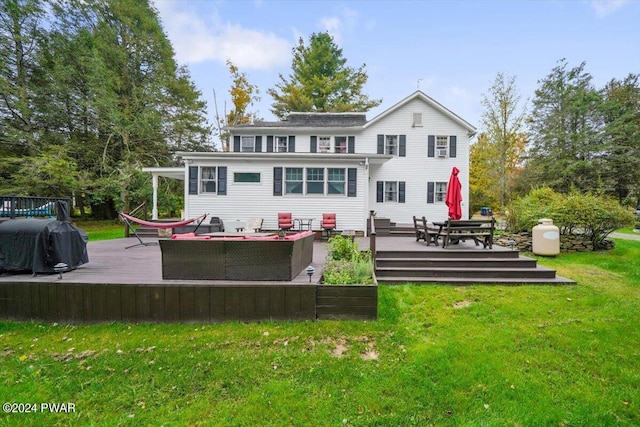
<point>328,223</point>
<point>285,221</point>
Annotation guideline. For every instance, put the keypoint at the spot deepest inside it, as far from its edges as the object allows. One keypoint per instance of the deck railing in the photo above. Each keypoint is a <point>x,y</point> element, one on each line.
<point>372,238</point>
<point>25,206</point>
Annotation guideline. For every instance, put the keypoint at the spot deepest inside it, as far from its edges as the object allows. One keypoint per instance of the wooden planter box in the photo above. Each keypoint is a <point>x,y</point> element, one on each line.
<point>347,302</point>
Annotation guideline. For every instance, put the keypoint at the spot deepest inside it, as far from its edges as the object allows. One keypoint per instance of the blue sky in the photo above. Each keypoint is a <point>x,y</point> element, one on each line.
<point>451,50</point>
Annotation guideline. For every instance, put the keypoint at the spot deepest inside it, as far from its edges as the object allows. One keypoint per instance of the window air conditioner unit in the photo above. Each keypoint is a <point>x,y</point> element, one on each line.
<point>441,152</point>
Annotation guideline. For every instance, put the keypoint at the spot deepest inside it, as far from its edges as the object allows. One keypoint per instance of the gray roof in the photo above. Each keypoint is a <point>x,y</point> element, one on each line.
<point>307,120</point>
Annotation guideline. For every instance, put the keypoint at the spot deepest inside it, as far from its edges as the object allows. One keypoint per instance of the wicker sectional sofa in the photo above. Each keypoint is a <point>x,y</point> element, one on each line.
<point>237,258</point>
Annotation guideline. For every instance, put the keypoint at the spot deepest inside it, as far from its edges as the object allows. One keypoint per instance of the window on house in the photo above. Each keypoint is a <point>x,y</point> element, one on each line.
<point>417,119</point>
<point>315,180</point>
<point>293,181</point>
<point>335,181</point>
<point>341,144</point>
<point>324,144</point>
<point>390,191</point>
<point>441,191</point>
<point>246,177</point>
<point>207,179</point>
<point>442,143</point>
<point>391,145</point>
<point>282,144</point>
<point>248,144</point>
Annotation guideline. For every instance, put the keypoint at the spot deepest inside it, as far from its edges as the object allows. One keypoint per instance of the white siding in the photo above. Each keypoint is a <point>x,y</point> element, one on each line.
<point>416,169</point>
<point>246,200</point>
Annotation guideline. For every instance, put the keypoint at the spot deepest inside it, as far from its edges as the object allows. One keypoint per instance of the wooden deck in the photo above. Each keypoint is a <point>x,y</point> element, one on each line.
<point>121,284</point>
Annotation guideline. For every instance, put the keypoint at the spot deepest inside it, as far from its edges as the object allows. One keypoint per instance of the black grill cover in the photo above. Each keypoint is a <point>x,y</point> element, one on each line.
<point>37,245</point>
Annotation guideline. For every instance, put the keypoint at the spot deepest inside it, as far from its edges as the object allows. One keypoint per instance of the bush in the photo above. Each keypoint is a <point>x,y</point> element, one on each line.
<point>347,264</point>
<point>574,213</point>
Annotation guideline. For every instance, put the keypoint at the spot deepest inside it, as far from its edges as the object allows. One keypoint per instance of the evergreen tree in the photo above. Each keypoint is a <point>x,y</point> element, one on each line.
<point>320,81</point>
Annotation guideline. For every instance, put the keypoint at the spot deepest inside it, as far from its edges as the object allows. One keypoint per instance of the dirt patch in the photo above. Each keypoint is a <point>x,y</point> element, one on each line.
<point>462,304</point>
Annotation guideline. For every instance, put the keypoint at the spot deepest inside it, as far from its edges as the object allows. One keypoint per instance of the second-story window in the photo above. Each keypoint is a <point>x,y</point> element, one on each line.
<point>341,144</point>
<point>248,144</point>
<point>324,144</point>
<point>282,144</point>
<point>391,145</point>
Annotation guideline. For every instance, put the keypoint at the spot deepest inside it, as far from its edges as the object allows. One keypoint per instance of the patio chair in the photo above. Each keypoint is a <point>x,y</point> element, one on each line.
<point>420,230</point>
<point>217,225</point>
<point>254,225</point>
<point>328,223</point>
<point>431,232</point>
<point>285,221</point>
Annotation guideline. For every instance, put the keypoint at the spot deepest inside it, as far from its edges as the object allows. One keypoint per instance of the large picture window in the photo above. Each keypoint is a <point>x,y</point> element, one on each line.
<point>207,179</point>
<point>335,181</point>
<point>293,181</point>
<point>315,180</point>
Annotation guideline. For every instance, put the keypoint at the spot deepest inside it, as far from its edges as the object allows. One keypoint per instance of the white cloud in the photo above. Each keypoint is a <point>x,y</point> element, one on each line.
<point>332,25</point>
<point>607,7</point>
<point>200,38</point>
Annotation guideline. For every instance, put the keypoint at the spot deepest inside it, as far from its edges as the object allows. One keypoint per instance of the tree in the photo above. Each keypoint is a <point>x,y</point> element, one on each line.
<point>503,122</point>
<point>320,81</point>
<point>621,115</point>
<point>566,144</point>
<point>20,35</point>
<point>243,94</point>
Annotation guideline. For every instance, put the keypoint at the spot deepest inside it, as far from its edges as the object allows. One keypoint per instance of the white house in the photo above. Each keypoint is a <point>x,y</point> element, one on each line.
<point>397,164</point>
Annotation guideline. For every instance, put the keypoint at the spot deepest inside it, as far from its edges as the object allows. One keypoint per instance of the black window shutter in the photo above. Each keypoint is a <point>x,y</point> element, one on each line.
<point>431,146</point>
<point>314,144</point>
<point>380,144</point>
<point>352,177</point>
<point>401,192</point>
<point>351,144</point>
<point>380,191</point>
<point>236,143</point>
<point>258,144</point>
<point>269,143</point>
<point>193,180</point>
<point>292,144</point>
<point>222,180</point>
<point>453,142</point>
<point>277,181</point>
<point>403,146</point>
<point>431,190</point>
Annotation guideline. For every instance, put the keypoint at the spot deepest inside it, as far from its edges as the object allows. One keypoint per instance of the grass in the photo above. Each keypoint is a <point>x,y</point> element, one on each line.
<point>626,230</point>
<point>438,355</point>
<point>101,230</point>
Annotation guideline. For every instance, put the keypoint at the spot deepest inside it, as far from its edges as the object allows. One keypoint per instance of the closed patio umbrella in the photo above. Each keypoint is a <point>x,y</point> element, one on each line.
<point>454,195</point>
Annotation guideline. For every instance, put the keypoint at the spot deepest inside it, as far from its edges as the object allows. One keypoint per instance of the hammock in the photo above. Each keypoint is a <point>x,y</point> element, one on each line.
<point>128,219</point>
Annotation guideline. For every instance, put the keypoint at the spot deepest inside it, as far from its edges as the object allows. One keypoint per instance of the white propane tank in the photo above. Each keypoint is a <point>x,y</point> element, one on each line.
<point>545,238</point>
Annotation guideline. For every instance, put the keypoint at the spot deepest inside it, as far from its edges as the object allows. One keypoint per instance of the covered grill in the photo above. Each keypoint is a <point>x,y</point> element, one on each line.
<point>37,245</point>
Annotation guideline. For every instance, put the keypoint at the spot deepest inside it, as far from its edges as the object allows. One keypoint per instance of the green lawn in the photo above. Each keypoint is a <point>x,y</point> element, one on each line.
<point>438,355</point>
<point>101,230</point>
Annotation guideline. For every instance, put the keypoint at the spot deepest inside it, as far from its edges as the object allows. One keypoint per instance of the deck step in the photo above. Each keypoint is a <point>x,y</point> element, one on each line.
<point>473,273</point>
<point>401,280</point>
<point>521,262</point>
<point>439,253</point>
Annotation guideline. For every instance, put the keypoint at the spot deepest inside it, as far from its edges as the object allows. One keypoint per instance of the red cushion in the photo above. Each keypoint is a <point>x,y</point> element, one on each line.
<point>189,236</point>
